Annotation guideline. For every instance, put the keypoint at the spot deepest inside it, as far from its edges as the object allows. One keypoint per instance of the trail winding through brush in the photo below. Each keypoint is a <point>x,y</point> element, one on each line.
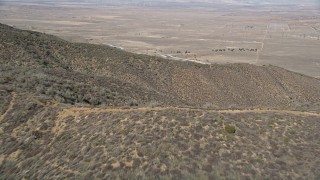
<point>78,111</point>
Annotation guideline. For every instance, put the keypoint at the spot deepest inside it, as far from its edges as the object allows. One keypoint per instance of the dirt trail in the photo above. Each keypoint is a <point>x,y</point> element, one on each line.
<point>297,113</point>
<point>13,98</point>
<point>262,44</point>
<point>79,111</point>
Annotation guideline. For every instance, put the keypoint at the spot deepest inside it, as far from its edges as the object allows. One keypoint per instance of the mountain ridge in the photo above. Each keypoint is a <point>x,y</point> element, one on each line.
<point>160,80</point>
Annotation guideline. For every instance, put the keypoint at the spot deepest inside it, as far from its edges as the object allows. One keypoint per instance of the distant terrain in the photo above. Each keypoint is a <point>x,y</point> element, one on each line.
<point>166,3</point>
<point>280,33</point>
<point>82,111</point>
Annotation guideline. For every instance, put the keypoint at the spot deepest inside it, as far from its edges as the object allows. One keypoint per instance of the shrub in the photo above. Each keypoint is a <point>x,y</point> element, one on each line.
<point>230,129</point>
<point>131,104</point>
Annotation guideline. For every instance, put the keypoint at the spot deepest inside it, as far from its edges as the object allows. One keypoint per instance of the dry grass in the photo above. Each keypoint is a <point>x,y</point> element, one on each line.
<point>158,143</point>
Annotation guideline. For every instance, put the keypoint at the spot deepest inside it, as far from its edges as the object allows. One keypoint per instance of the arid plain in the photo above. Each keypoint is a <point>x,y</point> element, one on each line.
<point>283,36</point>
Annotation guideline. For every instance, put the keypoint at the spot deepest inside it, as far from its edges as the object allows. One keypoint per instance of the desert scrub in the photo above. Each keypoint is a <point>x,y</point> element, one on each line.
<point>230,129</point>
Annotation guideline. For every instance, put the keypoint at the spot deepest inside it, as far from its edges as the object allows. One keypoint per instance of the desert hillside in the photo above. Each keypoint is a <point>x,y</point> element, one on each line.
<point>83,111</point>
<point>91,74</point>
<point>41,139</point>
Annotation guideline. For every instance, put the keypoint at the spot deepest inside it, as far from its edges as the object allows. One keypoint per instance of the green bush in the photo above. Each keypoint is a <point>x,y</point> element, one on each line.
<point>230,129</point>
